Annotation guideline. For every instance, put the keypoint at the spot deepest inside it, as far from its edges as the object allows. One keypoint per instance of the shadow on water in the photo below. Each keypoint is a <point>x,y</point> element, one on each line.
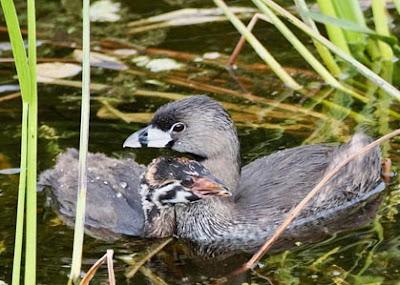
<point>276,120</point>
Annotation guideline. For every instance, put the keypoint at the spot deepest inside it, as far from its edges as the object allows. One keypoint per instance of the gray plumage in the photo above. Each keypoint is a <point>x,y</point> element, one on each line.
<point>211,135</point>
<point>113,203</point>
<point>271,186</point>
<point>262,194</point>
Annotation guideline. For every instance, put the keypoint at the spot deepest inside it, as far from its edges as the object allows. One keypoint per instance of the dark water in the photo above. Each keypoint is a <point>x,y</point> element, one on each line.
<point>370,255</point>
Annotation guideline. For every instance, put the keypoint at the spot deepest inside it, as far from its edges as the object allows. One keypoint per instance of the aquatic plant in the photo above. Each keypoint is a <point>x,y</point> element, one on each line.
<point>26,70</point>
<point>359,48</point>
<point>83,148</point>
<point>338,44</point>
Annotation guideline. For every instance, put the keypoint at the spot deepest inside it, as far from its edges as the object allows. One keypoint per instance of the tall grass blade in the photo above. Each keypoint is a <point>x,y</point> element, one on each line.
<point>397,5</point>
<point>18,48</point>
<point>307,55</point>
<point>382,27</point>
<point>19,228</point>
<point>83,147</point>
<point>350,26</point>
<point>27,79</point>
<point>384,36</point>
<point>258,47</point>
<point>324,53</point>
<point>298,45</point>
<point>31,204</point>
<point>336,35</point>
<point>390,89</point>
<point>350,10</point>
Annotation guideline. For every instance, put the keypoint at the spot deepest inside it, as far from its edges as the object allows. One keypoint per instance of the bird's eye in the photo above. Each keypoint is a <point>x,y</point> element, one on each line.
<point>187,182</point>
<point>178,127</point>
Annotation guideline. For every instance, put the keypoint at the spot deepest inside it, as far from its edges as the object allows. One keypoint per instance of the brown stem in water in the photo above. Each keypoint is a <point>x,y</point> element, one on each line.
<point>92,271</point>
<point>10,97</point>
<point>132,271</point>
<point>110,267</point>
<point>241,42</point>
<point>238,49</point>
<point>296,210</point>
<point>153,278</point>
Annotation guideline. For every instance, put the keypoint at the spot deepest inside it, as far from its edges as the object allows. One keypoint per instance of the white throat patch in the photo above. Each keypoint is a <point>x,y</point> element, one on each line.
<point>157,137</point>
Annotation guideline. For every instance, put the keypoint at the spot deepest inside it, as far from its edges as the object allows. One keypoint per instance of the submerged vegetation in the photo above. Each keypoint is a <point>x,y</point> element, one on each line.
<point>350,82</point>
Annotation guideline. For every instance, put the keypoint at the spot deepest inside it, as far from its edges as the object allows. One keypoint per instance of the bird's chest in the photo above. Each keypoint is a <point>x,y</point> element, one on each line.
<point>200,224</point>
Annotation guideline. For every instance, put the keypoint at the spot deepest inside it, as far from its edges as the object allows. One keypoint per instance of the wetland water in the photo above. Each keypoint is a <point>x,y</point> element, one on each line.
<point>369,255</point>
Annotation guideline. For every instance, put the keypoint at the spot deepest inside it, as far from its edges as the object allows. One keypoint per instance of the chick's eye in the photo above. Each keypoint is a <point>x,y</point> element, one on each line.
<point>178,127</point>
<point>187,181</point>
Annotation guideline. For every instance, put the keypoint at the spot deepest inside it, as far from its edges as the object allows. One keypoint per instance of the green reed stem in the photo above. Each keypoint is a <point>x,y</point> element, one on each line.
<point>350,10</point>
<point>382,27</point>
<point>19,228</point>
<point>83,147</point>
<point>323,52</point>
<point>397,4</point>
<point>353,10</point>
<point>390,89</point>
<point>307,55</point>
<point>258,47</point>
<point>18,48</point>
<point>298,45</point>
<point>31,204</point>
<point>26,70</point>
<point>335,34</point>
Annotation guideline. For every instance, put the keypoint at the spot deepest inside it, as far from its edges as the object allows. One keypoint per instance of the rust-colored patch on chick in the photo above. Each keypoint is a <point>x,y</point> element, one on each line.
<point>154,173</point>
<point>151,171</point>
